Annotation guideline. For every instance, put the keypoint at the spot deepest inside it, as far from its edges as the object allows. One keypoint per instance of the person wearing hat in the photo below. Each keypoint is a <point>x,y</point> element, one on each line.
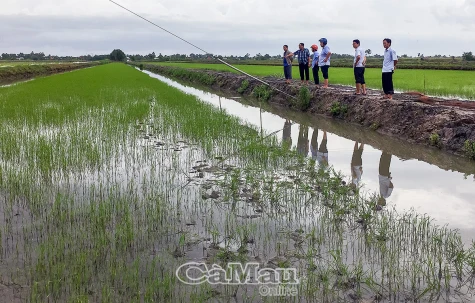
<point>359,67</point>
<point>324,60</point>
<point>304,61</point>
<point>315,68</point>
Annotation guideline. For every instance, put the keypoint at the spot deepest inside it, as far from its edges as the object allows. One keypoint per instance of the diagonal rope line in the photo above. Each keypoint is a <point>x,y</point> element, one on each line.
<point>197,47</point>
<point>159,26</point>
<point>222,61</point>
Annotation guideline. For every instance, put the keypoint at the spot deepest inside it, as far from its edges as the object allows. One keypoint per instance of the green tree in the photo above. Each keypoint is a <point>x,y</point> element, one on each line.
<point>468,56</point>
<point>117,55</point>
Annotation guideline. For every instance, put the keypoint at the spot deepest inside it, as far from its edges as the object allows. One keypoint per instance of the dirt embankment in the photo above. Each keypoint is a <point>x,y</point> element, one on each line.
<point>22,72</point>
<point>412,117</point>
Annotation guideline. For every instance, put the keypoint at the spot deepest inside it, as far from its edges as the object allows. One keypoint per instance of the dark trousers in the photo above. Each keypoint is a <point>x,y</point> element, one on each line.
<point>384,164</point>
<point>388,83</point>
<point>324,69</point>
<point>359,75</point>
<point>303,67</point>
<point>315,74</point>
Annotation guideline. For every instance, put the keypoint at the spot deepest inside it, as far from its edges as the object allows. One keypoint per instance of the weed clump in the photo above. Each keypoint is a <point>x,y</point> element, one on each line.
<point>244,86</point>
<point>434,140</point>
<point>262,92</point>
<point>303,98</point>
<point>338,109</point>
<point>374,126</point>
<point>469,148</point>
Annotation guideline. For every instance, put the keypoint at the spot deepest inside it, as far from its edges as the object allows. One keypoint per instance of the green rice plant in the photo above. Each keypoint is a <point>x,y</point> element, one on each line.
<point>109,180</point>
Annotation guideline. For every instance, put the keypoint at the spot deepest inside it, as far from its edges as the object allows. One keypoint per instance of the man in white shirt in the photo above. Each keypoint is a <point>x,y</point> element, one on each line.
<point>359,67</point>
<point>389,65</point>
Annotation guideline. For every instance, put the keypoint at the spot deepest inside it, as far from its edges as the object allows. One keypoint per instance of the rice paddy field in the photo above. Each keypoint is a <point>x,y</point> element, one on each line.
<point>110,180</point>
<point>446,83</point>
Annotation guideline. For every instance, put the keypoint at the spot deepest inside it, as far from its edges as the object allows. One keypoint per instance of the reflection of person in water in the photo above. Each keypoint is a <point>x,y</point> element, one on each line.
<point>385,185</point>
<point>357,164</point>
<point>322,153</point>
<point>302,143</point>
<point>314,144</point>
<point>286,134</point>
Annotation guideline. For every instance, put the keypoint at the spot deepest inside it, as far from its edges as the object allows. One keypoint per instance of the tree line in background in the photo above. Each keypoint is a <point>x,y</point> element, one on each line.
<point>467,56</point>
<point>119,55</point>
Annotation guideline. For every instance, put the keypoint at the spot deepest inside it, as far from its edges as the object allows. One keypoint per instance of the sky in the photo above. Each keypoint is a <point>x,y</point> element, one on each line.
<point>236,27</point>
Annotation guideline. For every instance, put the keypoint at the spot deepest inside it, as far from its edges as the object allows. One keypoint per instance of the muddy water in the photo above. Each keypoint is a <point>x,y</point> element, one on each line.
<point>407,176</point>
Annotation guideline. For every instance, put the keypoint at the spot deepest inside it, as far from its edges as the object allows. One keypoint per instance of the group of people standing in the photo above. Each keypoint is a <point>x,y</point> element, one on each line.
<point>320,60</point>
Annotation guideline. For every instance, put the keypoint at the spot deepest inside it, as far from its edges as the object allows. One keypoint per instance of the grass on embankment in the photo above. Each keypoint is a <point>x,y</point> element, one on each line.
<point>431,82</point>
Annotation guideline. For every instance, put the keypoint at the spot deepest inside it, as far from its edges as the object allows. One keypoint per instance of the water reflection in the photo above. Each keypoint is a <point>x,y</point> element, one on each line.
<point>357,164</point>
<point>302,142</point>
<point>322,153</point>
<point>427,178</point>
<point>314,144</point>
<point>287,134</point>
<point>385,180</point>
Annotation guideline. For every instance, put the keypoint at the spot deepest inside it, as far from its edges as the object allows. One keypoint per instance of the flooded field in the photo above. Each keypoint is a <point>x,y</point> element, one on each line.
<point>424,179</point>
<point>107,188</point>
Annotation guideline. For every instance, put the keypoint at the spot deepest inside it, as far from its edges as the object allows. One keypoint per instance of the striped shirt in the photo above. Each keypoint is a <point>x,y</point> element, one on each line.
<point>303,55</point>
